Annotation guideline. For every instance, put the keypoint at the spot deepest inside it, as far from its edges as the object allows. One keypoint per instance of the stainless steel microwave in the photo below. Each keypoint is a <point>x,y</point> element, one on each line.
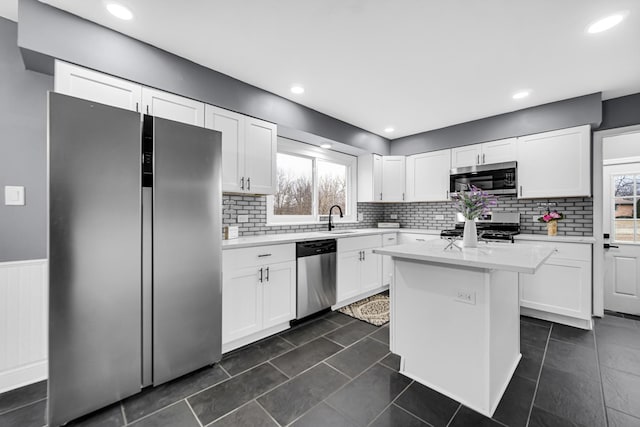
<point>497,178</point>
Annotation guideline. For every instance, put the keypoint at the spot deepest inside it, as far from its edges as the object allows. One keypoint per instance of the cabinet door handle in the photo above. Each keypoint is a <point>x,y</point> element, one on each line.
<point>248,184</point>
<point>267,274</point>
<point>242,183</point>
<point>607,246</point>
<point>420,240</point>
<point>403,197</point>
<point>380,196</point>
<point>521,191</point>
<point>137,110</point>
<point>447,194</point>
<point>147,109</point>
<point>263,255</point>
<point>478,159</point>
<point>360,256</point>
<point>261,275</point>
<point>364,255</point>
<point>483,158</point>
<point>390,238</point>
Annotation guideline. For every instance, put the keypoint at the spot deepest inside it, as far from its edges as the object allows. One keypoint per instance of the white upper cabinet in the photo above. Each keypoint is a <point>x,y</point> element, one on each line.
<point>172,107</point>
<point>370,178</point>
<point>393,178</point>
<point>428,176</point>
<point>469,155</point>
<point>232,127</point>
<point>503,150</point>
<point>87,84</point>
<point>249,150</point>
<point>260,152</point>
<point>555,164</point>
<point>381,178</point>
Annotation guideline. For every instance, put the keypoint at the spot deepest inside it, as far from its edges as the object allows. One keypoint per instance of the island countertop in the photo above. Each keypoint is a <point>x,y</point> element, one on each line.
<point>496,256</point>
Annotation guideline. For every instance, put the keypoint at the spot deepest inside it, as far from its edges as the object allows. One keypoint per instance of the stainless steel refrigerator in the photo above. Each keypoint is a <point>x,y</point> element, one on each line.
<point>134,253</point>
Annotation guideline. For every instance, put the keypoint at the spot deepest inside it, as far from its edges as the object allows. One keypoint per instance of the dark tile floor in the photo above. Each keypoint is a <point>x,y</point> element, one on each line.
<point>336,371</point>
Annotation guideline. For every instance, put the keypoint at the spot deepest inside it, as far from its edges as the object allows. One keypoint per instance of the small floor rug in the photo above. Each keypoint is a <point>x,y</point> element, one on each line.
<point>374,310</point>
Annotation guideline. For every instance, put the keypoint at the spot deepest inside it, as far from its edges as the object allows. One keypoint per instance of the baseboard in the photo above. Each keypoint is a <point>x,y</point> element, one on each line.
<point>359,297</point>
<point>22,376</point>
<point>558,318</point>
<point>240,342</point>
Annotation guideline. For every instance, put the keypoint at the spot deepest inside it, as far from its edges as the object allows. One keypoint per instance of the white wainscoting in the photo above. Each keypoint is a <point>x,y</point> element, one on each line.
<point>23,323</point>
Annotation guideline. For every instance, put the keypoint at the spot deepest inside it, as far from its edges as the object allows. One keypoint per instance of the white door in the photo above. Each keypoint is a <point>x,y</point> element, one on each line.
<point>260,151</point>
<point>279,293</point>
<point>172,107</point>
<point>621,214</point>
<point>469,155</point>
<point>241,303</point>
<point>393,178</point>
<point>503,150</point>
<point>232,127</point>
<point>428,176</point>
<point>87,84</point>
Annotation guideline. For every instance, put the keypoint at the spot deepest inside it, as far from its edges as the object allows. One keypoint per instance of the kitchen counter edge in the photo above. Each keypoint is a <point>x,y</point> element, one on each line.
<point>282,238</point>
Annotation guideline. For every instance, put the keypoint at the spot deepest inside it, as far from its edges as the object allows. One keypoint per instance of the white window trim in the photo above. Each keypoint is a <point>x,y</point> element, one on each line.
<point>289,146</point>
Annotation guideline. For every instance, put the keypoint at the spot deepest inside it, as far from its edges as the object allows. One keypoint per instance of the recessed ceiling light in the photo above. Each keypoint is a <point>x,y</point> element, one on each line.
<point>297,89</point>
<point>606,23</point>
<point>119,11</point>
<point>325,145</point>
<point>389,129</point>
<point>521,94</point>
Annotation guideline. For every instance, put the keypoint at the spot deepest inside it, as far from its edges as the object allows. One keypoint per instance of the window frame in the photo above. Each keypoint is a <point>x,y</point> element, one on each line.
<point>301,149</point>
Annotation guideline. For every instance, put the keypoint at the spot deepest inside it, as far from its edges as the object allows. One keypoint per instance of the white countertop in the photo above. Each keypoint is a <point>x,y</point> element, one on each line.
<point>273,239</point>
<point>493,256</point>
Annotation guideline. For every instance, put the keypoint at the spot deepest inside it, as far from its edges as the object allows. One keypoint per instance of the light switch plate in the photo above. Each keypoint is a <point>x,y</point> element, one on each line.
<point>13,195</point>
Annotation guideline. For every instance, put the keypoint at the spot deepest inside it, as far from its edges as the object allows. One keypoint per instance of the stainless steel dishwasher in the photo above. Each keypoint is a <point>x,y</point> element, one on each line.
<point>316,276</point>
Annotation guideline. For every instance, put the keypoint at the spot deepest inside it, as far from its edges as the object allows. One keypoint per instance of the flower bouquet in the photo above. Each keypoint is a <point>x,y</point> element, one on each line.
<point>472,204</point>
<point>551,218</point>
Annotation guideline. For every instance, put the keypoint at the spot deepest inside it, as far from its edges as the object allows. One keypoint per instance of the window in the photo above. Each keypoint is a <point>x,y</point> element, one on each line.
<point>626,208</point>
<point>309,181</point>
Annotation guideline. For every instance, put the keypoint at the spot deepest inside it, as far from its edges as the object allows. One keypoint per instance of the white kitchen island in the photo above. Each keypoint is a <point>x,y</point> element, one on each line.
<point>455,316</point>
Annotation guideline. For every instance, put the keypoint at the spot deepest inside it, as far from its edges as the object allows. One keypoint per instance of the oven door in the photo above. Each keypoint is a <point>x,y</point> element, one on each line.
<point>498,178</point>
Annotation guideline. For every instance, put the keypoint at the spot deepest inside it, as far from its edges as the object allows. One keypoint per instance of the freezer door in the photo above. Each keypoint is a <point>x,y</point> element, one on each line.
<point>187,234</point>
<point>94,256</point>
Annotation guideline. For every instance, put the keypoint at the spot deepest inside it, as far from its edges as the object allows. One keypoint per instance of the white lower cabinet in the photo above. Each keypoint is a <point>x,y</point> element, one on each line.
<point>359,270</point>
<point>560,291</point>
<point>258,293</point>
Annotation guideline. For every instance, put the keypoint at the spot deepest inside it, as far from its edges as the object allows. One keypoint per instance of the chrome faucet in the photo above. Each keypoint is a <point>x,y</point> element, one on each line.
<point>331,226</point>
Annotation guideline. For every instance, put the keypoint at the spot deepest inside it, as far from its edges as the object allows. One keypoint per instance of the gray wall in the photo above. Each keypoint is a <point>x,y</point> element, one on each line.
<point>620,112</point>
<point>556,115</point>
<point>22,151</point>
<point>46,33</point>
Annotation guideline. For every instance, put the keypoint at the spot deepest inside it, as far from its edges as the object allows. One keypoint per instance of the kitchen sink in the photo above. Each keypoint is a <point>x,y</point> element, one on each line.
<point>338,232</point>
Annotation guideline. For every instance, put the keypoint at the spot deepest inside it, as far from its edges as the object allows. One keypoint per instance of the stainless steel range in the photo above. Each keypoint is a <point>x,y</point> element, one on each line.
<point>499,226</point>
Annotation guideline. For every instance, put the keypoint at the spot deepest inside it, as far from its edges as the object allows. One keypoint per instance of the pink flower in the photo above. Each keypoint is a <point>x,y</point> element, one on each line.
<point>547,217</point>
<point>554,215</point>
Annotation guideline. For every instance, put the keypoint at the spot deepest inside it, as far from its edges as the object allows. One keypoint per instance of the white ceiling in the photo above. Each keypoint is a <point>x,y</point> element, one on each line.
<point>415,65</point>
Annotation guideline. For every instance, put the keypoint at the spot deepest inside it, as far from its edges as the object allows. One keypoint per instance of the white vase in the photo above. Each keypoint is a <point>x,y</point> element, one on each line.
<point>470,236</point>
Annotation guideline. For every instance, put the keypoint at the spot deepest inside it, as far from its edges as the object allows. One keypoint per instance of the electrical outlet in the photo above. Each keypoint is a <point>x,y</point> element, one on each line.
<point>466,297</point>
<point>243,218</point>
<point>360,216</point>
<point>438,217</point>
<point>393,216</point>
